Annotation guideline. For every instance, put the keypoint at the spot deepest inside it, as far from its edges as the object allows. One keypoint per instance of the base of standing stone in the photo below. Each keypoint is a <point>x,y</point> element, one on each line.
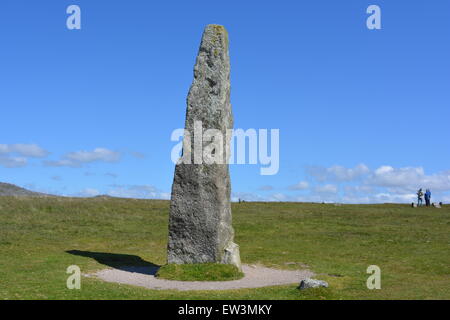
<point>232,255</point>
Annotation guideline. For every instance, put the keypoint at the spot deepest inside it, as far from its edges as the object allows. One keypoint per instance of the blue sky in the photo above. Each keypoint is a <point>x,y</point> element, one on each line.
<point>363,114</point>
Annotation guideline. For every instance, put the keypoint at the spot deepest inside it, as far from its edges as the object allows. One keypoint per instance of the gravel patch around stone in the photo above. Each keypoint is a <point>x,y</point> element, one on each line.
<point>254,277</point>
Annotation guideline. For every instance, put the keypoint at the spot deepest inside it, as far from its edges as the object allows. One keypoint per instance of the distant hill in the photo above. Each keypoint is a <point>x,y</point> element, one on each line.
<point>103,196</point>
<point>7,189</point>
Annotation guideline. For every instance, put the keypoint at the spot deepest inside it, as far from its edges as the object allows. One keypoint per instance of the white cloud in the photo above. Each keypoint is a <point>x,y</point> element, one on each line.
<point>13,162</point>
<point>349,174</point>
<point>88,192</point>
<point>25,150</point>
<point>337,173</point>
<point>99,154</point>
<point>111,175</point>
<point>62,163</point>
<point>359,189</point>
<point>359,184</point>
<point>137,192</point>
<point>15,155</point>
<point>382,197</point>
<point>79,158</point>
<point>247,196</point>
<point>302,185</point>
<point>328,188</point>
<point>385,184</point>
<point>408,179</point>
<point>265,188</point>
<point>138,155</point>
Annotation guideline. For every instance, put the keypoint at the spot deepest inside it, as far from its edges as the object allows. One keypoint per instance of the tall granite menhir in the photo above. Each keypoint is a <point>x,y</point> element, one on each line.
<point>200,228</point>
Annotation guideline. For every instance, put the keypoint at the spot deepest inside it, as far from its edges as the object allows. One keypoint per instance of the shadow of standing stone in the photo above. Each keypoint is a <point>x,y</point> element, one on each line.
<point>125,262</point>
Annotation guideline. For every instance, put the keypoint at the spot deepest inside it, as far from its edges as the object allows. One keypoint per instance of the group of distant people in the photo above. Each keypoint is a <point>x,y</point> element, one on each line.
<point>427,195</point>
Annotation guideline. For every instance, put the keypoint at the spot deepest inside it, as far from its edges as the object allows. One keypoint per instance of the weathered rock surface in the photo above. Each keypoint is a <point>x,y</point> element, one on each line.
<point>200,229</point>
<point>312,283</point>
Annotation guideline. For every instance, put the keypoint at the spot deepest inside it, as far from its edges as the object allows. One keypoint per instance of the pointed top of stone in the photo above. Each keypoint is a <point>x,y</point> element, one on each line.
<point>215,43</point>
<point>217,29</point>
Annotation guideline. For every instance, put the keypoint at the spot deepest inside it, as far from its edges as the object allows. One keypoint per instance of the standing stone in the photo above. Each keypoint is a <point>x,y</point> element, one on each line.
<point>200,228</point>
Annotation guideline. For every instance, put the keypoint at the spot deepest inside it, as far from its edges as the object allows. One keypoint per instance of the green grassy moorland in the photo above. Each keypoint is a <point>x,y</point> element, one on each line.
<point>199,272</point>
<point>41,237</point>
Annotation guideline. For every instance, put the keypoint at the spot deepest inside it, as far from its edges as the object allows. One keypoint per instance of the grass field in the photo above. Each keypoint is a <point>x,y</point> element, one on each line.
<point>41,237</point>
<point>199,272</point>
